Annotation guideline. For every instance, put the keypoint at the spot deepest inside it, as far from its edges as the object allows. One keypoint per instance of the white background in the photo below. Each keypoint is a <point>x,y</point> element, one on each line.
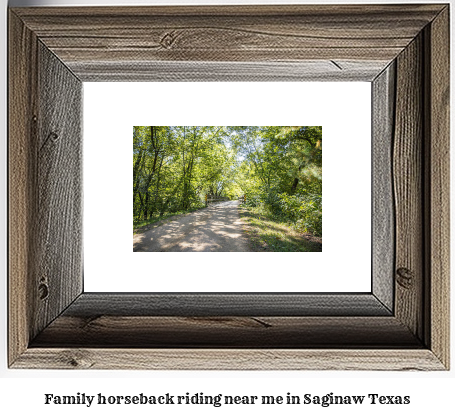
<point>342,108</point>
<point>22,391</point>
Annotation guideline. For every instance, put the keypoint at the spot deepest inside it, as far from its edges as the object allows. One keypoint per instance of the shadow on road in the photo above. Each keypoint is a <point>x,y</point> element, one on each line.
<point>217,228</point>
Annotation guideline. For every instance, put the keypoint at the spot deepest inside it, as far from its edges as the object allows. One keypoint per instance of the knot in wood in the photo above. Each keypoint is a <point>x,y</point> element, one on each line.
<point>405,278</point>
<point>76,359</point>
<point>168,39</point>
<point>53,136</point>
<point>43,291</point>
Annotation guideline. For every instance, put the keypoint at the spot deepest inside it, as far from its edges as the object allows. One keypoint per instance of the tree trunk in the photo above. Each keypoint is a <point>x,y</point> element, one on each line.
<point>294,185</point>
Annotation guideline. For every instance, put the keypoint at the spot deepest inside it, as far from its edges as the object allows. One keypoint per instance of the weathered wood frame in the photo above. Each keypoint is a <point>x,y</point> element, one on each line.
<point>402,324</point>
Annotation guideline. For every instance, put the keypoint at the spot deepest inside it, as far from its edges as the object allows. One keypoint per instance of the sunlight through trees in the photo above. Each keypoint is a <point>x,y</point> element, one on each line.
<point>276,168</point>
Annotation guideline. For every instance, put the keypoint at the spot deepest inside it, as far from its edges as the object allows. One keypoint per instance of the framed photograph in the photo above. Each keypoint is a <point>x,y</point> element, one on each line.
<point>402,323</point>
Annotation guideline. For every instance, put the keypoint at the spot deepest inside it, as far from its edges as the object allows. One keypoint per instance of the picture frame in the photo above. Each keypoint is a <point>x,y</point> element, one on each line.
<point>402,324</point>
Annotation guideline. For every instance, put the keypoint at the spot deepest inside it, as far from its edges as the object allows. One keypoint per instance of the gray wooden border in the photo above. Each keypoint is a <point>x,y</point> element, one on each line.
<point>402,324</point>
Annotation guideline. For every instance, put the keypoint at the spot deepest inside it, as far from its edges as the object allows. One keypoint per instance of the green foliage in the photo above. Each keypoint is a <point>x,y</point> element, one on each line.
<point>175,167</point>
<point>303,211</point>
<point>282,172</point>
<point>267,233</point>
<point>279,169</point>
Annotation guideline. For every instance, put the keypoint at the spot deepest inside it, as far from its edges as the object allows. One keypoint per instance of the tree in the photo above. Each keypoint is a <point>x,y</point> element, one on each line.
<point>175,167</point>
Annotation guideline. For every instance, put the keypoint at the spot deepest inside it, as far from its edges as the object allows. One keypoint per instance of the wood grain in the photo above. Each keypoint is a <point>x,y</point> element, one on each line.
<point>230,304</point>
<point>156,71</point>
<point>257,332</point>
<point>22,95</point>
<point>273,34</point>
<point>408,188</point>
<point>229,359</point>
<point>44,187</point>
<point>58,210</point>
<point>383,215</point>
<point>439,190</point>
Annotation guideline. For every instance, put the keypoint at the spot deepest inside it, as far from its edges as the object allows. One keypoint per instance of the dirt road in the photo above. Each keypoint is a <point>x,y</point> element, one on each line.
<point>217,228</point>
